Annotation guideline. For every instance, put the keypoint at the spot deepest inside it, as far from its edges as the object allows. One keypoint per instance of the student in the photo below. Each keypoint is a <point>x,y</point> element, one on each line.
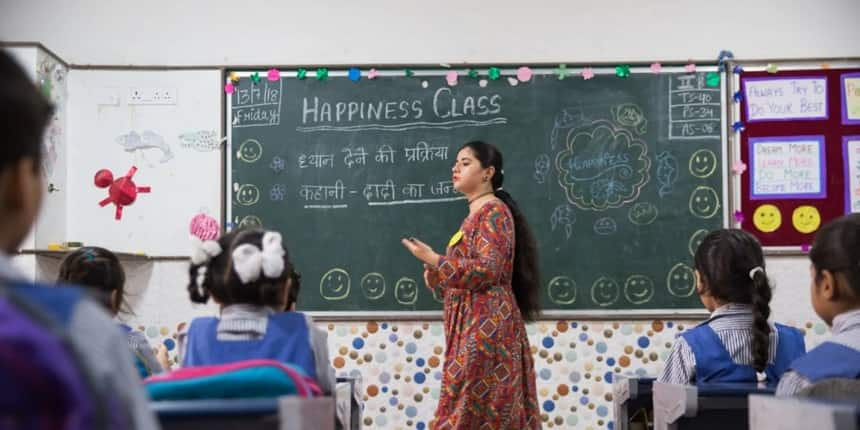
<point>835,295</point>
<point>100,270</point>
<point>246,272</point>
<point>736,344</point>
<point>92,337</point>
<point>319,337</point>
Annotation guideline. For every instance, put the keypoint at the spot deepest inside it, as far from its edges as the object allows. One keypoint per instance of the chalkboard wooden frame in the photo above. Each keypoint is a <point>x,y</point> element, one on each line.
<point>734,137</point>
<point>420,70</point>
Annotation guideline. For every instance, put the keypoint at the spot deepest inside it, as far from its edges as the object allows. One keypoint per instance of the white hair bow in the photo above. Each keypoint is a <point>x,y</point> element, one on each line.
<point>250,262</point>
<point>202,252</point>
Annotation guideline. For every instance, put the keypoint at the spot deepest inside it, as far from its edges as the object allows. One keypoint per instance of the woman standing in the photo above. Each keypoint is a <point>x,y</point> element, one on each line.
<point>489,280</point>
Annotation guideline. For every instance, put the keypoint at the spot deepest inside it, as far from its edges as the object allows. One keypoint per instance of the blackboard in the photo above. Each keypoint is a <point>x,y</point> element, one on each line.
<point>619,178</point>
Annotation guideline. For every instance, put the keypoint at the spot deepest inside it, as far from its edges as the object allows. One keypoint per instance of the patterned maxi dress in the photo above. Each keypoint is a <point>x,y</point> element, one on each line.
<point>489,379</point>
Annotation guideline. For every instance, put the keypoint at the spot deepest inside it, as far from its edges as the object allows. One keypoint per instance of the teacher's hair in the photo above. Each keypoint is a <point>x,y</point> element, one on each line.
<point>526,276</point>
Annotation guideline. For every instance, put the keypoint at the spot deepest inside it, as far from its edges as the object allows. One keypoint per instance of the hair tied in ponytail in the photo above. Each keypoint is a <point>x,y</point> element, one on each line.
<point>755,270</point>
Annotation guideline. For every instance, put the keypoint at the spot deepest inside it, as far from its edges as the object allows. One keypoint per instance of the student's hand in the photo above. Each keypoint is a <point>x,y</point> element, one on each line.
<point>431,277</point>
<point>163,358</point>
<point>421,250</point>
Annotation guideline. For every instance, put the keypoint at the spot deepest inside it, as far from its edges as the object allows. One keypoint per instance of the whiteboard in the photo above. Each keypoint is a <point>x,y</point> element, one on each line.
<point>175,147</point>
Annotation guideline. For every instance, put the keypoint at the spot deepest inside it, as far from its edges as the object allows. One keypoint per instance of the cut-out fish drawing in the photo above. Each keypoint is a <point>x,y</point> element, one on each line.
<point>134,141</point>
<point>667,172</point>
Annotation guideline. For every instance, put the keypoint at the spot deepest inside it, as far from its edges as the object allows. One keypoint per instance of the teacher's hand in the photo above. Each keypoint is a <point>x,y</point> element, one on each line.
<point>431,277</point>
<point>421,251</point>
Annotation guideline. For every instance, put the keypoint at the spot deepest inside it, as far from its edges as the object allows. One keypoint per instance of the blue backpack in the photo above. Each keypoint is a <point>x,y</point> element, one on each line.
<point>44,387</point>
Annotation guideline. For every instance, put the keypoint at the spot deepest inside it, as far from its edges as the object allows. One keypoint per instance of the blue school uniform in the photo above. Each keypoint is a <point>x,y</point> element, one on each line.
<point>715,364</point>
<point>829,360</point>
<point>286,339</point>
<point>838,357</point>
<point>721,349</point>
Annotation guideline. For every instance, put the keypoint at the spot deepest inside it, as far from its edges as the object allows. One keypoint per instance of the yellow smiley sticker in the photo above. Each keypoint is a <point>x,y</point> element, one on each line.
<point>767,218</point>
<point>455,238</point>
<point>806,219</point>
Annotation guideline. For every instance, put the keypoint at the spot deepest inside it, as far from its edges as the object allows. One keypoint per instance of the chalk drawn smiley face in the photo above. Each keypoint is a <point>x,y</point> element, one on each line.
<point>806,219</point>
<point>681,280</point>
<point>373,285</point>
<point>642,213</point>
<point>334,284</point>
<point>767,218</point>
<point>562,290</point>
<point>251,221</point>
<point>247,195</point>
<point>704,202</point>
<point>406,291</point>
<point>696,240</point>
<point>605,226</point>
<point>604,291</point>
<point>250,151</point>
<point>638,289</point>
<point>703,163</point>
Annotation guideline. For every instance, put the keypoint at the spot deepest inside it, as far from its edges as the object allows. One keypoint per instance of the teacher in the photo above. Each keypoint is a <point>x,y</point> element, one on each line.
<point>489,280</point>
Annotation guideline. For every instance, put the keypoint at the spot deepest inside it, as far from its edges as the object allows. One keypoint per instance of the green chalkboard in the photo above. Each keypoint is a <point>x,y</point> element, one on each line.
<point>619,178</point>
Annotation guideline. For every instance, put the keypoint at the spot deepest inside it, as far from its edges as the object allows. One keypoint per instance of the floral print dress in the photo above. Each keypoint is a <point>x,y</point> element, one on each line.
<point>489,378</point>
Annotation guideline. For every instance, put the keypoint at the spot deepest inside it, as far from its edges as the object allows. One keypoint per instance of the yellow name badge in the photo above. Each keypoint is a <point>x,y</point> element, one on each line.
<point>455,238</point>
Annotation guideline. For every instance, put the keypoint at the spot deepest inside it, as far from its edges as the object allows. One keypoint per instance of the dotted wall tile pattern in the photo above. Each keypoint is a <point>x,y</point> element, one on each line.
<point>400,365</point>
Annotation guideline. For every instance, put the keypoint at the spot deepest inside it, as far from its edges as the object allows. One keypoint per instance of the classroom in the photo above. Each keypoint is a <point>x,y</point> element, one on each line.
<point>630,130</point>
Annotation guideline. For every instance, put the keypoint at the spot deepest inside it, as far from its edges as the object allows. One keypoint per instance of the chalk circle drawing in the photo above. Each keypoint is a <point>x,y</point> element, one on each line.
<point>563,216</point>
<point>602,167</point>
<point>334,284</point>
<point>250,151</point>
<point>247,195</point>
<point>704,202</point>
<point>638,289</point>
<point>681,280</point>
<point>605,291</point>
<point>642,213</point>
<point>696,240</point>
<point>561,290</point>
<point>373,285</point>
<point>703,163</point>
<point>667,173</point>
<point>629,115</point>
<point>406,291</point>
<point>542,167</point>
<point>251,221</point>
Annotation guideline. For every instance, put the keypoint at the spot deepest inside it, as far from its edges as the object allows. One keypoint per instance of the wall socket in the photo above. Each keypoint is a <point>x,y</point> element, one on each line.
<point>151,96</point>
